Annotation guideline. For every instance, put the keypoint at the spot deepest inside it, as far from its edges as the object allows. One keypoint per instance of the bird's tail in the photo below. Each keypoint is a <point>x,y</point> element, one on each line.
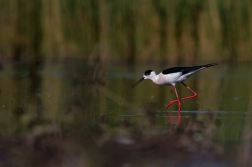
<point>209,65</point>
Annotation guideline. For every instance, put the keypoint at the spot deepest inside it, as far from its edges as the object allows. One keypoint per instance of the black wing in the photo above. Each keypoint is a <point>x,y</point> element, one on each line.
<point>185,70</point>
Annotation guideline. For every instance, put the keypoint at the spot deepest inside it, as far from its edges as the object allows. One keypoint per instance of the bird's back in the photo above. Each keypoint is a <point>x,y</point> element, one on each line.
<point>185,70</point>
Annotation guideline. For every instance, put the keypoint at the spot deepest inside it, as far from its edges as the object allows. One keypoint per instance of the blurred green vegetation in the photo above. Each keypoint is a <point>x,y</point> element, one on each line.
<point>131,31</point>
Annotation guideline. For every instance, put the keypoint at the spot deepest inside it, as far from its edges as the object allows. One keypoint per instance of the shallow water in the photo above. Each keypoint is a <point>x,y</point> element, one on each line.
<point>78,114</point>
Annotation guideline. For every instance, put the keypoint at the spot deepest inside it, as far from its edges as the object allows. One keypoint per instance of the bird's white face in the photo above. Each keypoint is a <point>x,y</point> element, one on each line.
<point>149,74</point>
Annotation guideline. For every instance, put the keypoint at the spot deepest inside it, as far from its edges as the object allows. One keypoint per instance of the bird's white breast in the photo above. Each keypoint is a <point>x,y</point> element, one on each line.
<point>167,79</point>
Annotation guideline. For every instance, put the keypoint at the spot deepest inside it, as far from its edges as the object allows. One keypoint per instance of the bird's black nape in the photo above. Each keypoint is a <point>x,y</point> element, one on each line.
<point>135,84</point>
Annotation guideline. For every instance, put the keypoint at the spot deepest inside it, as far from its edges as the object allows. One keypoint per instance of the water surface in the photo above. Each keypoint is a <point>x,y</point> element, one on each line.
<point>81,114</point>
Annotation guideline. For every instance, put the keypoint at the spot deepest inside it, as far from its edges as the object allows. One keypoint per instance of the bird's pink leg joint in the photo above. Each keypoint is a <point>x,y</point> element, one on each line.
<point>189,97</point>
<point>178,100</point>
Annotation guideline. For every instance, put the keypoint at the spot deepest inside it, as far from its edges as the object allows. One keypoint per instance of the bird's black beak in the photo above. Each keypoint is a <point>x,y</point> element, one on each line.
<point>138,82</point>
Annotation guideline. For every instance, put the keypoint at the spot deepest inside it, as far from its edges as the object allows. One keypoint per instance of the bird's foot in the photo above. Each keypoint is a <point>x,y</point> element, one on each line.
<point>170,103</point>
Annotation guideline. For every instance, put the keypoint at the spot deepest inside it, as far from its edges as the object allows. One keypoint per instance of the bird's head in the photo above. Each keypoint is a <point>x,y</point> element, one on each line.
<point>149,74</point>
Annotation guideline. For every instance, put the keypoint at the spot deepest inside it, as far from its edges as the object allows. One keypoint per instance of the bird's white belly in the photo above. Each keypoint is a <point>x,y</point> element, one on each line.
<point>169,79</point>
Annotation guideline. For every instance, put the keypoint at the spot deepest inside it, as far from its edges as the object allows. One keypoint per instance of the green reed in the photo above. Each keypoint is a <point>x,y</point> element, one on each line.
<point>175,30</point>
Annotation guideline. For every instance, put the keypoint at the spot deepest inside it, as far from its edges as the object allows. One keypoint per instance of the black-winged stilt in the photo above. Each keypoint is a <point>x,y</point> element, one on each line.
<point>173,76</point>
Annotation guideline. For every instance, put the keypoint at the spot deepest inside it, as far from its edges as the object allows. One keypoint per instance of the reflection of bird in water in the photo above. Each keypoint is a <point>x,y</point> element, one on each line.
<point>173,76</point>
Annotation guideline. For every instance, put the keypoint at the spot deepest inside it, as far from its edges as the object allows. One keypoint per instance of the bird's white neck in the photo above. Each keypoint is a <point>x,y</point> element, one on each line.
<point>154,78</point>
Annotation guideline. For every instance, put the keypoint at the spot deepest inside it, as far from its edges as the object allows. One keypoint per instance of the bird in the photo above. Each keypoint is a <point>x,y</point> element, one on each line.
<point>173,76</point>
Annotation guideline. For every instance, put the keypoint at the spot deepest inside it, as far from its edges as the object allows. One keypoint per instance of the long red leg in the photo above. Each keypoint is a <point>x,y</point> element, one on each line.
<point>178,100</point>
<point>189,97</point>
